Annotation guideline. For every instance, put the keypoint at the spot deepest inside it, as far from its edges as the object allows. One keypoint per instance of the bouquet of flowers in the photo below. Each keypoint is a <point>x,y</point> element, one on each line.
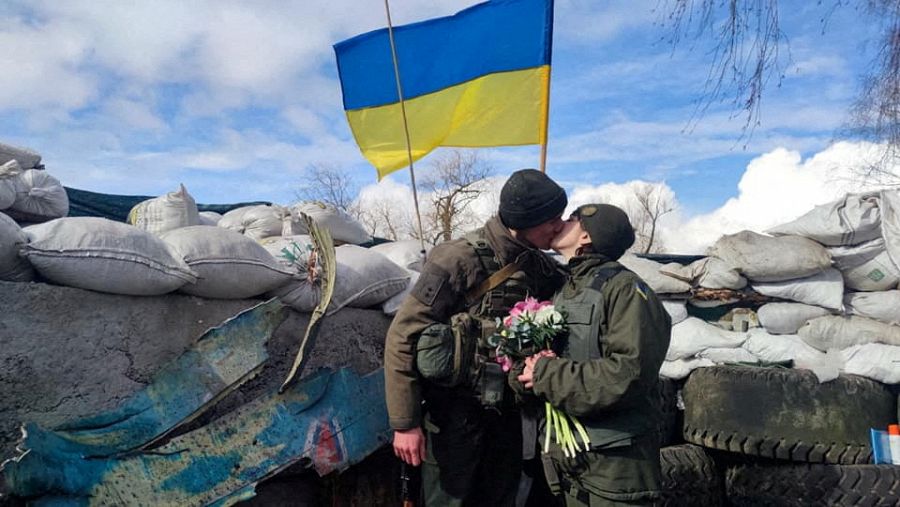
<point>529,329</point>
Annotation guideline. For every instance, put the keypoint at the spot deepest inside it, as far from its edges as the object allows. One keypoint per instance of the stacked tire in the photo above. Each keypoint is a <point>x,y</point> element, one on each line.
<point>781,438</point>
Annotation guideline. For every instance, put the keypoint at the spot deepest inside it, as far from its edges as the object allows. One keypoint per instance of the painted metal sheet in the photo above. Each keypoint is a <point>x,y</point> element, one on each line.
<point>222,360</point>
<point>328,421</point>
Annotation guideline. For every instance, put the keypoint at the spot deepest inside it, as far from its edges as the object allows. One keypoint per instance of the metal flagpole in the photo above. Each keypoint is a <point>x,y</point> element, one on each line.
<point>412,172</point>
<point>546,132</point>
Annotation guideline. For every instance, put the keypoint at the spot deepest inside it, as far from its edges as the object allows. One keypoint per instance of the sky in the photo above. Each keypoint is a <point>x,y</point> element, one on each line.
<point>237,99</point>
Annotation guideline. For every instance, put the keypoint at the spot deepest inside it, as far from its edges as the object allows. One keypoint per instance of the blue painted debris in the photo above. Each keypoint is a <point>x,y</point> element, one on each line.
<point>329,421</point>
<point>222,360</point>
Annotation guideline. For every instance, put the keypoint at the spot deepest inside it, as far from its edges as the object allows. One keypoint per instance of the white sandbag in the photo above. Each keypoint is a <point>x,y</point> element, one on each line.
<point>106,256</point>
<point>13,267</point>
<point>406,253</point>
<point>787,318</point>
<point>364,278</point>
<point>649,272</point>
<point>709,272</point>
<point>848,221</point>
<point>391,306</point>
<point>789,347</point>
<point>771,259</point>
<point>728,355</point>
<point>677,310</point>
<point>26,158</point>
<point>291,252</point>
<point>842,331</point>
<point>9,183</point>
<point>343,227</point>
<point>693,335</point>
<point>229,265</point>
<point>164,213</point>
<point>825,289</point>
<point>681,368</point>
<point>890,223</point>
<point>40,197</point>
<point>875,361</point>
<point>866,267</point>
<point>208,218</point>
<point>881,306</point>
<point>256,222</point>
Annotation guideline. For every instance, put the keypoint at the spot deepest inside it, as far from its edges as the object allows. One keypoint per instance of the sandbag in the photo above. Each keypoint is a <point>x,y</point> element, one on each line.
<point>709,272</point>
<point>27,159</point>
<point>363,278</point>
<point>681,368</point>
<point>677,310</point>
<point>771,259</point>
<point>39,197</point>
<point>391,306</point>
<point>406,253</point>
<point>825,289</point>
<point>694,335</point>
<point>728,355</point>
<point>787,318</point>
<point>164,213</point>
<point>256,222</point>
<point>105,256</point>
<point>789,347</point>
<point>343,227</point>
<point>291,252</point>
<point>876,361</point>
<point>854,219</point>
<point>208,218</point>
<point>13,267</point>
<point>890,223</point>
<point>9,178</point>
<point>881,306</point>
<point>867,266</point>
<point>229,265</point>
<point>842,331</point>
<point>649,272</point>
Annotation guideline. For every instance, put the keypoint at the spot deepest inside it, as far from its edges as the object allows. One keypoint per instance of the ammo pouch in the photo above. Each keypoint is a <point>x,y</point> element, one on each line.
<point>453,355</point>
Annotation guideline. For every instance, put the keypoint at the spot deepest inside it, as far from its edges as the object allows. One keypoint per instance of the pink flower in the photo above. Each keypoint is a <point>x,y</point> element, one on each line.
<point>505,363</point>
<point>508,321</point>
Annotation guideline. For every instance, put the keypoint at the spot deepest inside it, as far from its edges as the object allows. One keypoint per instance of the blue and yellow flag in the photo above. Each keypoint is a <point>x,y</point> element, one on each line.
<point>477,78</point>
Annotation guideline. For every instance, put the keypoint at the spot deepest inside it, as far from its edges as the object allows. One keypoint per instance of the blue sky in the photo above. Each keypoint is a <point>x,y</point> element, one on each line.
<point>237,99</point>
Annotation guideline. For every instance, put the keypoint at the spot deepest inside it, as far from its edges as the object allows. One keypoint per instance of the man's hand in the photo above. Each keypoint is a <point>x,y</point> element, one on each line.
<point>527,376</point>
<point>409,445</point>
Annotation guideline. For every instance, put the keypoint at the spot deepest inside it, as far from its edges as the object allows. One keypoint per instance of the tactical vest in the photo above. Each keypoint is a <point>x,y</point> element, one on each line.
<point>583,306</point>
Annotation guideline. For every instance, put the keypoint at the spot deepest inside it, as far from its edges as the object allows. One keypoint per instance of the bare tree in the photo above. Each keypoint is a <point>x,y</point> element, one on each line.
<point>382,218</point>
<point>327,184</point>
<point>455,180</point>
<point>751,50</point>
<point>652,203</point>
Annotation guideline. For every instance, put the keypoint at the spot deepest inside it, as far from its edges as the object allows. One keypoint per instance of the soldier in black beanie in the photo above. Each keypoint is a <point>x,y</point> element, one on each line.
<point>474,456</point>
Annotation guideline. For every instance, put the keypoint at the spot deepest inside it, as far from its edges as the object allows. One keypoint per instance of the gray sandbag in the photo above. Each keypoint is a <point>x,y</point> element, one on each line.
<point>166,212</point>
<point>787,318</point>
<point>882,306</point>
<point>13,267</point>
<point>229,265</point>
<point>867,266</point>
<point>27,159</point>
<point>106,256</point>
<point>771,259</point>
<point>39,197</point>
<point>825,289</point>
<point>851,220</point>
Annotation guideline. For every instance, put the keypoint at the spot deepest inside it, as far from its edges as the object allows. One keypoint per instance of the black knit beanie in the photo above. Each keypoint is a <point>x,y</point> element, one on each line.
<point>529,198</point>
<point>609,228</point>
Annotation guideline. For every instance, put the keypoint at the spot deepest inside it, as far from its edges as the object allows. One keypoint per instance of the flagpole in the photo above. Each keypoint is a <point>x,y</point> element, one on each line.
<point>546,129</point>
<point>412,172</point>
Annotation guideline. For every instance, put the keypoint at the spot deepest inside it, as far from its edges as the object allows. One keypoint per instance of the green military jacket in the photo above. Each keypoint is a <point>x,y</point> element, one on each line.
<point>607,370</point>
<point>450,271</point>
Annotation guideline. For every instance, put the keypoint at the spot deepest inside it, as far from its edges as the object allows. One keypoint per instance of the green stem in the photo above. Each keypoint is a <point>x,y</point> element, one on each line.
<point>549,427</point>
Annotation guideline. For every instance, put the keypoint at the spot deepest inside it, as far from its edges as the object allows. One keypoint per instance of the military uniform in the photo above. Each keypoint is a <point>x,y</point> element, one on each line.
<point>606,375</point>
<point>474,455</point>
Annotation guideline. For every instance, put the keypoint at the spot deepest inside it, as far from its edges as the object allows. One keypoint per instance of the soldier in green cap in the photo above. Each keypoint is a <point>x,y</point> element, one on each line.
<point>440,374</point>
<point>606,369</point>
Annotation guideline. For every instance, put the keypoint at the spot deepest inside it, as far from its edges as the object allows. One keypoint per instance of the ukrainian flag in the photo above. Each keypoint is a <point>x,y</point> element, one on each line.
<point>478,78</point>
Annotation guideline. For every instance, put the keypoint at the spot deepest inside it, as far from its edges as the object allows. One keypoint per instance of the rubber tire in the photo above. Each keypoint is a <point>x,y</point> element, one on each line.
<point>671,417</point>
<point>812,484</point>
<point>689,477</point>
<point>785,413</point>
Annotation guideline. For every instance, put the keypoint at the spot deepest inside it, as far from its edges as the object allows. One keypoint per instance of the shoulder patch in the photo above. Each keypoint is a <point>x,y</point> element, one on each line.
<point>429,285</point>
<point>641,288</point>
